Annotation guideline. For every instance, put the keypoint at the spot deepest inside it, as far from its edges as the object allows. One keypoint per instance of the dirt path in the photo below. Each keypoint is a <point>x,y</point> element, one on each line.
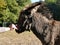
<point>13,38</point>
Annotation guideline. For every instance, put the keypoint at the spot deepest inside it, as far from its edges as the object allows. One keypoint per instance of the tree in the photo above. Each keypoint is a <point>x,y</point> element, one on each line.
<point>14,8</point>
<point>3,6</point>
<point>9,9</point>
<point>54,6</point>
<point>23,2</point>
<point>51,1</point>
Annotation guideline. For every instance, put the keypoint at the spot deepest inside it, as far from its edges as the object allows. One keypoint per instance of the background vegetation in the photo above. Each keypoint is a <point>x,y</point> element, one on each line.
<point>9,10</point>
<point>54,5</point>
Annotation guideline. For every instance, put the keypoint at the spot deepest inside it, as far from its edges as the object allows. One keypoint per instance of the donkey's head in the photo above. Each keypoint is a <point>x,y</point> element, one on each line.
<point>25,18</point>
<point>24,21</point>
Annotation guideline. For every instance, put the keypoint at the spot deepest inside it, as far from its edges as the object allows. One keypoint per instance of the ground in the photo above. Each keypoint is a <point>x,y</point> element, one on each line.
<point>13,38</point>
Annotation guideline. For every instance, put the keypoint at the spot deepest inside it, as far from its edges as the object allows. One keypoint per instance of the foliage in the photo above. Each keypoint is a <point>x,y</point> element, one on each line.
<point>23,2</point>
<point>3,4</point>
<point>51,1</point>
<point>9,9</point>
<point>54,6</point>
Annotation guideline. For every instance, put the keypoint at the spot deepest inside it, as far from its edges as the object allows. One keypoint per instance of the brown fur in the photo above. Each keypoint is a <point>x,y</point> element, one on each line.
<point>39,18</point>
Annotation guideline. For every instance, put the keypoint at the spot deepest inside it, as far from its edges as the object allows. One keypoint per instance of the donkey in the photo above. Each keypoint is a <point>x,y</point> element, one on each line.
<point>39,19</point>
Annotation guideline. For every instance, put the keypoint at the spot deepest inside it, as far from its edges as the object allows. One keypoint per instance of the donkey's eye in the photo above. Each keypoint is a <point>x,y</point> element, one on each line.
<point>26,17</point>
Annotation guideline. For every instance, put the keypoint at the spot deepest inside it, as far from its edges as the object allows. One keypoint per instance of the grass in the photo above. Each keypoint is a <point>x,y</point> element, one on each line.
<point>13,38</point>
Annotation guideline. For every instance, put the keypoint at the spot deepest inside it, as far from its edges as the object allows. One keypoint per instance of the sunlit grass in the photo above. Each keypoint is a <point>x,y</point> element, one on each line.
<point>13,38</point>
